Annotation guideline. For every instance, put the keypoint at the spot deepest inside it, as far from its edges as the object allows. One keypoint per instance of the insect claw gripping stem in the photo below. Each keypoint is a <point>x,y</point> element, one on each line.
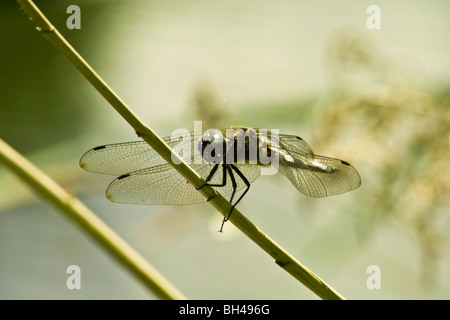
<point>201,187</point>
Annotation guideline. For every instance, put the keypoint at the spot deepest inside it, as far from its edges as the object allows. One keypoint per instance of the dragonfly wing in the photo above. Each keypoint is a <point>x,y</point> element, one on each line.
<point>326,177</point>
<point>164,185</point>
<point>156,185</point>
<point>295,146</point>
<point>314,175</point>
<point>121,158</point>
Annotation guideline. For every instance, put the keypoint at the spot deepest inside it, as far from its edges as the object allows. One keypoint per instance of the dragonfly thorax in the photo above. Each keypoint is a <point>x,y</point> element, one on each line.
<point>212,146</point>
<point>231,146</point>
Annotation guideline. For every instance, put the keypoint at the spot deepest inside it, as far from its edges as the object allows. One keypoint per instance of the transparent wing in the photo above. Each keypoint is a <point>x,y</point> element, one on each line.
<point>164,185</point>
<point>146,178</point>
<point>295,146</point>
<point>122,158</point>
<point>314,175</point>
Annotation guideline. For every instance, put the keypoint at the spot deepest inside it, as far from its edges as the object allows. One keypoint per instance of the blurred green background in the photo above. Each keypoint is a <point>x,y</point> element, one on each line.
<point>376,98</point>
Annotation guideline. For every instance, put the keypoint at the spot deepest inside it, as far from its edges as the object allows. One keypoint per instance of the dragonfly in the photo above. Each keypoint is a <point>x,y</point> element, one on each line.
<point>237,154</point>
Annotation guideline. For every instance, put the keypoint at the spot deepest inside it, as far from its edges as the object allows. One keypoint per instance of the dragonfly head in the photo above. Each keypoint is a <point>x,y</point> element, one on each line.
<point>212,146</point>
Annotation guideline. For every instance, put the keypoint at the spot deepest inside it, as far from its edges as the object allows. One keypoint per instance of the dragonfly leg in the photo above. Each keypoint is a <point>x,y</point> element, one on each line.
<point>233,182</point>
<point>227,168</point>
<point>247,183</point>
<point>211,175</point>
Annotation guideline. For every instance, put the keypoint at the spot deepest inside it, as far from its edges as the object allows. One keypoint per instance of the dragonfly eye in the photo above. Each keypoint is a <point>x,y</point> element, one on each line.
<point>212,147</point>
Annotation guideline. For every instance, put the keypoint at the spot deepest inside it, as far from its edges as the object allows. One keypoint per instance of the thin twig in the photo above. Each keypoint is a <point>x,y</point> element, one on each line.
<point>78,212</point>
<point>282,258</point>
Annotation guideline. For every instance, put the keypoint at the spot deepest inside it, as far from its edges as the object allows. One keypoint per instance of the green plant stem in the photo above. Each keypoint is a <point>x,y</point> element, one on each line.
<point>78,212</point>
<point>282,258</point>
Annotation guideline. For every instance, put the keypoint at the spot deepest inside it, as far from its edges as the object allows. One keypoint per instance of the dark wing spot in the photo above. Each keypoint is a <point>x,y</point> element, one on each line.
<point>345,162</point>
<point>99,148</point>
<point>123,176</point>
<point>299,138</point>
